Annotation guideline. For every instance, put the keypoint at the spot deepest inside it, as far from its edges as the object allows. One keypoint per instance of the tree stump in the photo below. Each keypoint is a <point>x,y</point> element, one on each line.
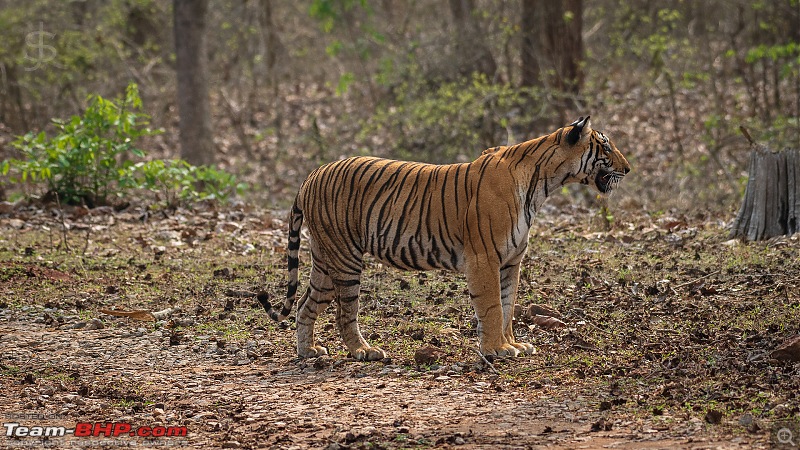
<point>771,205</point>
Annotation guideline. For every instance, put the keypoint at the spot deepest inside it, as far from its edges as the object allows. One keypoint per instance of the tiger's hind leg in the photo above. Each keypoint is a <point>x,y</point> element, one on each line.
<point>319,295</point>
<point>347,289</point>
<point>509,283</point>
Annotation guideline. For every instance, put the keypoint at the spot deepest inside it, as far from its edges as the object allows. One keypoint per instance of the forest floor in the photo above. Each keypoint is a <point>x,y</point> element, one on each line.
<point>668,339</point>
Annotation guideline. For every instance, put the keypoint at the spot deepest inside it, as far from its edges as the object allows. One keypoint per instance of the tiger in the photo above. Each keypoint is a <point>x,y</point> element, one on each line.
<point>472,218</point>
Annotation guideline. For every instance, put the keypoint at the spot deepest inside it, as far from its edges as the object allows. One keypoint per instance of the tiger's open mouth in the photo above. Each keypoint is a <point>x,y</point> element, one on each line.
<point>606,180</point>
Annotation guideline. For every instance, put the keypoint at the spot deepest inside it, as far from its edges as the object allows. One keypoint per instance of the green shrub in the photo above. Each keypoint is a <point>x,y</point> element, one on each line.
<point>452,120</point>
<point>90,159</point>
<point>176,181</point>
<point>86,161</point>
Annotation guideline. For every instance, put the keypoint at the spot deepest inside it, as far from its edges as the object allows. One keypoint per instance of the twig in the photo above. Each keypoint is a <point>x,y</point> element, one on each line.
<point>747,135</point>
<point>696,280</point>
<point>486,361</point>
<point>586,322</point>
<point>590,348</point>
<point>86,245</point>
<point>63,223</point>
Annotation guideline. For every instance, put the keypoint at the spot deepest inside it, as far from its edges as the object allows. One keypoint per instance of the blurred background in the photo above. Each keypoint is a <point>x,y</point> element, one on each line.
<point>293,84</point>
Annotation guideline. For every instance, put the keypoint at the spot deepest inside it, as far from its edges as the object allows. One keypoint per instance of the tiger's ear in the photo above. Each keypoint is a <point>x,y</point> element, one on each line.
<point>581,128</point>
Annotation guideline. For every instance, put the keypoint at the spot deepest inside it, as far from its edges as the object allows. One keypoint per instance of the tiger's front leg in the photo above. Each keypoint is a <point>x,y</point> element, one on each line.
<point>509,283</point>
<point>483,281</point>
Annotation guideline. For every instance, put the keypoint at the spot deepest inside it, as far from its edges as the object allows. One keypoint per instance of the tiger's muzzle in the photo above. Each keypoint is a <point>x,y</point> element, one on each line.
<point>606,179</point>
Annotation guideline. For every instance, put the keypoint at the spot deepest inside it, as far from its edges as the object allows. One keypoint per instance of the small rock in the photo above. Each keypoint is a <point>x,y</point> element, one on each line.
<point>95,324</point>
<point>749,423</point>
<point>427,355</point>
<point>6,207</point>
<point>713,416</point>
<point>16,223</point>
<point>459,440</point>
<point>76,326</point>
<point>231,444</point>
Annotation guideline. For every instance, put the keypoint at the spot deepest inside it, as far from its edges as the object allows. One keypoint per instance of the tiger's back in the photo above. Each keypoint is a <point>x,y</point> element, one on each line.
<point>405,214</point>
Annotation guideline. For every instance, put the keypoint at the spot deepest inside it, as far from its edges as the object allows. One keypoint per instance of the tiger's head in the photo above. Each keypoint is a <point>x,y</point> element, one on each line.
<point>595,160</point>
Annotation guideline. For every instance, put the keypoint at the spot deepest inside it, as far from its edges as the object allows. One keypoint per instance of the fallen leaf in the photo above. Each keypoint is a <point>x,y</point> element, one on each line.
<point>789,350</point>
<point>543,310</point>
<point>140,314</point>
<point>547,322</point>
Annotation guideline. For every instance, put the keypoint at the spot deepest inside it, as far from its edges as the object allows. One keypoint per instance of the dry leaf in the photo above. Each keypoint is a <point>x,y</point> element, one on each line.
<point>140,314</point>
<point>543,310</point>
<point>547,322</point>
<point>789,350</point>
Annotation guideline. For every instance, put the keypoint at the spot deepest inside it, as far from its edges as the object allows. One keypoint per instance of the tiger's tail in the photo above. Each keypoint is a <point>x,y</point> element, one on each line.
<point>293,261</point>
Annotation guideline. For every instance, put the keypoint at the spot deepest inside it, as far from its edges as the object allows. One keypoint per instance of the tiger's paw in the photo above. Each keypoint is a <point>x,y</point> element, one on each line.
<point>503,350</point>
<point>525,348</point>
<point>313,352</point>
<point>369,354</point>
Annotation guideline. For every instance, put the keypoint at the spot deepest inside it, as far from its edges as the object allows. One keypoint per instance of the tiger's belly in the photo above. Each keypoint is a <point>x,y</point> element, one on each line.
<point>412,252</point>
<point>419,249</point>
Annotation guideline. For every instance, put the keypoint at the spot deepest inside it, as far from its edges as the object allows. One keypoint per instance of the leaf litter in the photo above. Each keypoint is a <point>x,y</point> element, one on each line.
<point>659,331</point>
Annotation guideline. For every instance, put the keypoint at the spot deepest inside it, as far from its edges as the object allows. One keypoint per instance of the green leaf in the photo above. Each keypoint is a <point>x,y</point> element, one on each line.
<point>345,80</point>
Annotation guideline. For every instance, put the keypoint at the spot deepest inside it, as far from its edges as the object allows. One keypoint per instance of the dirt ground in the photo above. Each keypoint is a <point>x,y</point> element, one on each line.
<point>668,339</point>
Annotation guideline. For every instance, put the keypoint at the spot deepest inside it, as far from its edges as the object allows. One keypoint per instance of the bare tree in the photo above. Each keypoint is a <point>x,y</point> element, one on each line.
<point>551,48</point>
<point>197,146</point>
<point>471,45</point>
<point>529,54</point>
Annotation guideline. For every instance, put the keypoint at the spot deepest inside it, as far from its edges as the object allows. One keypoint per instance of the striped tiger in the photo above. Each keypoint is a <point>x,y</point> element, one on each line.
<point>472,218</point>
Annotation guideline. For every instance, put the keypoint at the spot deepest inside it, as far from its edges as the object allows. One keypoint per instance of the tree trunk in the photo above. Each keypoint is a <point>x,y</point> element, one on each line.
<point>197,146</point>
<point>471,47</point>
<point>562,43</point>
<point>529,53</point>
<point>771,205</point>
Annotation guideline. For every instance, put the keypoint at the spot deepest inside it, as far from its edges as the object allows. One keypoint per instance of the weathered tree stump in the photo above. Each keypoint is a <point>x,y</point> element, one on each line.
<point>771,205</point>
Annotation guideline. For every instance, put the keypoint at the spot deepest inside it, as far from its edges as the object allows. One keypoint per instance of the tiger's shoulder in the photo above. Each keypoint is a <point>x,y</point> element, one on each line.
<point>491,150</point>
